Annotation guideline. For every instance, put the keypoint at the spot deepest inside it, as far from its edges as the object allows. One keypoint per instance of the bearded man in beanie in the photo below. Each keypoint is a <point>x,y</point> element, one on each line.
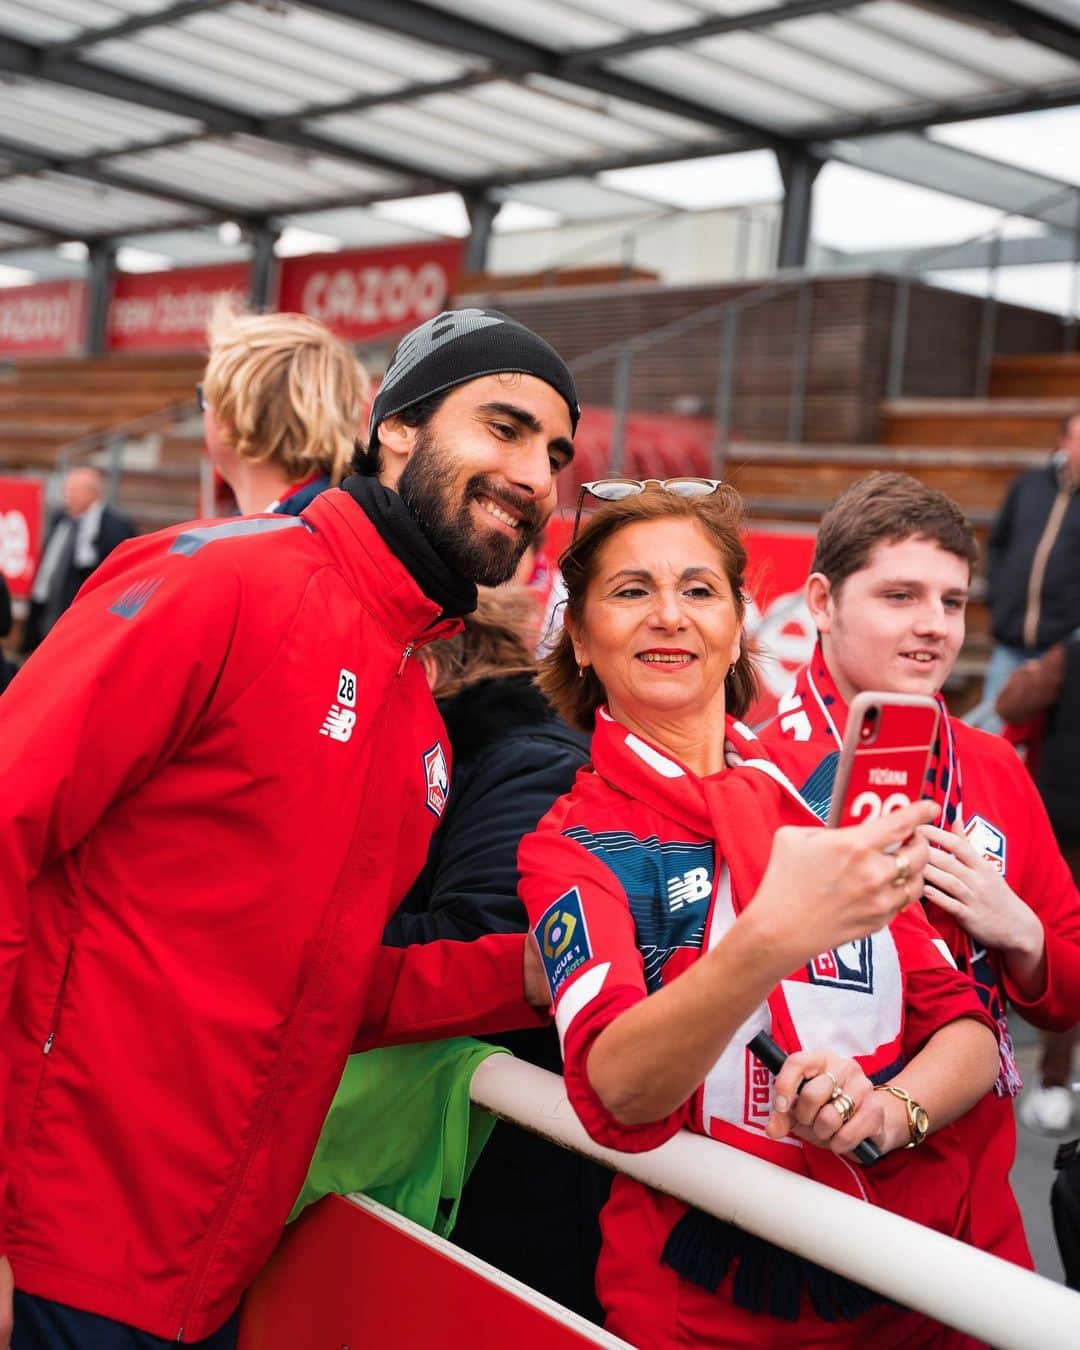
<point>218,777</point>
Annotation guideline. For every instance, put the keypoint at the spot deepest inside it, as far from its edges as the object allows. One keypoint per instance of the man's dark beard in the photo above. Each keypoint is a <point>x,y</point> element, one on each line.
<point>486,557</point>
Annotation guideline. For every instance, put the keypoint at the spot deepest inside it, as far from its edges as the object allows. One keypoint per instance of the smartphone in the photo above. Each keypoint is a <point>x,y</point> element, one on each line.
<point>885,756</point>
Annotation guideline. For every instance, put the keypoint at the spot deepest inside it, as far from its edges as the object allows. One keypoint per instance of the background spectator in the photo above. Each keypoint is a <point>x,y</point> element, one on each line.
<point>530,1208</point>
<point>282,403</point>
<point>1033,568</point>
<point>85,532</point>
<point>1046,693</point>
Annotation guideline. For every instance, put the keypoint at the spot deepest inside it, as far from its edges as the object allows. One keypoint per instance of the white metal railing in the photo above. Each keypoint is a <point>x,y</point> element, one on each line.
<point>1011,1308</point>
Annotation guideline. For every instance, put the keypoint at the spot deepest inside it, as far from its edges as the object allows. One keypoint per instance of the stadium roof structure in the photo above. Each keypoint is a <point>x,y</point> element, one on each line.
<point>153,121</point>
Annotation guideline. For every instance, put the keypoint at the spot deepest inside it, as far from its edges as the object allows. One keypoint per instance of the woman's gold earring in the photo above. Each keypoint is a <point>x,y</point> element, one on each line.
<point>581,672</point>
<point>731,669</point>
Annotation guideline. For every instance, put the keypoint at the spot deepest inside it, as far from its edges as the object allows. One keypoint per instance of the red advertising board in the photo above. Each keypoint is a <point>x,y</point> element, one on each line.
<point>362,294</point>
<point>22,508</point>
<point>42,320</point>
<point>351,1273</point>
<point>777,617</point>
<point>168,311</point>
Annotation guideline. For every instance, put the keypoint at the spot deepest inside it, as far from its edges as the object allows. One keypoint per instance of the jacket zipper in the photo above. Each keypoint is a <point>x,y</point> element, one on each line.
<point>54,1025</point>
<point>404,657</point>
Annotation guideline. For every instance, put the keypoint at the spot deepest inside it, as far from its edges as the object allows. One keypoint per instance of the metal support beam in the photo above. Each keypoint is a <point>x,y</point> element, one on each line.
<point>128,27</point>
<point>261,286</point>
<point>482,210</point>
<point>1036,27</point>
<point>99,281</point>
<point>747,22</point>
<point>798,172</point>
<point>516,57</point>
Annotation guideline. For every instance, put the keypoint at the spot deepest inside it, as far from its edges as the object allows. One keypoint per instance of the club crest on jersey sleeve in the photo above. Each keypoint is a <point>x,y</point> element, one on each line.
<point>437,777</point>
<point>987,841</point>
<point>563,938</point>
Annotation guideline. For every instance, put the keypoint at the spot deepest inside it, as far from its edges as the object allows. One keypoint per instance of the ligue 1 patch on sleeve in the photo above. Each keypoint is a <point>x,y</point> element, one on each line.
<point>563,937</point>
<point>987,841</point>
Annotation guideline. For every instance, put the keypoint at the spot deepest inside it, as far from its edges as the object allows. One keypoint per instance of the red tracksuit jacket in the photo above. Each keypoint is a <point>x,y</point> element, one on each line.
<point>218,776</point>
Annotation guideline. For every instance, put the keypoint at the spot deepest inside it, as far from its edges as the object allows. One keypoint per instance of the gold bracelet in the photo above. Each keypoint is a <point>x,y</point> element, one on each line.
<point>917,1118</point>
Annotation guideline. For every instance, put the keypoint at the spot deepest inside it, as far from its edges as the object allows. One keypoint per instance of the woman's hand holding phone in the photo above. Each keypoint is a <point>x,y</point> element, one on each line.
<point>826,887</point>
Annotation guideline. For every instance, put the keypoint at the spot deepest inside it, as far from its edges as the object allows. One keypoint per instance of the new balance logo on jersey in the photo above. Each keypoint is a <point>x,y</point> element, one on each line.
<point>338,724</point>
<point>686,889</point>
<point>129,602</point>
<point>340,720</point>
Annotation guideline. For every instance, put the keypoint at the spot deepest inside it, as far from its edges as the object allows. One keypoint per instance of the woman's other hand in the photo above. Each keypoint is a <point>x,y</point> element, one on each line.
<point>819,1115</point>
<point>826,887</point>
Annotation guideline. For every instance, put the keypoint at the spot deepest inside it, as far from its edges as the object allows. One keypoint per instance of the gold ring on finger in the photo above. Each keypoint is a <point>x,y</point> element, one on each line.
<point>903,869</point>
<point>828,1073</point>
<point>845,1107</point>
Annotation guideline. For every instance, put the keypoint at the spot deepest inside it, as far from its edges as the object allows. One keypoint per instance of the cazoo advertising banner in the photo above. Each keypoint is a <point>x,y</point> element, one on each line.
<point>362,294</point>
<point>42,320</point>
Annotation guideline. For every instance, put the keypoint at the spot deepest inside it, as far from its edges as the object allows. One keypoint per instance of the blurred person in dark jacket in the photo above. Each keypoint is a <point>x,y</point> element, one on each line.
<point>1033,568</point>
<point>84,533</point>
<point>1041,705</point>
<point>282,402</point>
<point>530,1208</point>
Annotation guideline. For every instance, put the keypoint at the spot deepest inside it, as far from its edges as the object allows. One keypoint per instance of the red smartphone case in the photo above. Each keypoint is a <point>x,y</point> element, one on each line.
<point>885,756</point>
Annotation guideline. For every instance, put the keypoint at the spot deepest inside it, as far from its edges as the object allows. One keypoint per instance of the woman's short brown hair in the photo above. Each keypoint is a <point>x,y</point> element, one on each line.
<point>577,697</point>
<point>887,508</point>
<point>285,390</point>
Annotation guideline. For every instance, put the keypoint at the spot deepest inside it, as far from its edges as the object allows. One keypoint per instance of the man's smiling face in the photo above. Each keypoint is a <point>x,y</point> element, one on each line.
<point>481,474</point>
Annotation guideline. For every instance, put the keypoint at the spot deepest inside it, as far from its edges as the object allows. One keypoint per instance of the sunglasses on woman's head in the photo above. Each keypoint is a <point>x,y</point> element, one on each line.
<point>616,489</point>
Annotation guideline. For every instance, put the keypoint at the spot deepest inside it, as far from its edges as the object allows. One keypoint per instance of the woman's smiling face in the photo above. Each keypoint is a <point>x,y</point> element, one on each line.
<point>660,625</point>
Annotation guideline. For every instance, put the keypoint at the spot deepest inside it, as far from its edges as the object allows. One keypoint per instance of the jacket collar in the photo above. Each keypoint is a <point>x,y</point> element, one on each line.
<point>382,582</point>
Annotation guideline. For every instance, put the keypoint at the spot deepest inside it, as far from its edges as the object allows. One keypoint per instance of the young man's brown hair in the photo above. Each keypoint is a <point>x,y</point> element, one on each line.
<point>887,508</point>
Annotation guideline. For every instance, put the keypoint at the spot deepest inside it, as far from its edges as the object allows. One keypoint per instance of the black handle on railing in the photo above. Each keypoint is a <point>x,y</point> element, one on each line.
<point>766,1051</point>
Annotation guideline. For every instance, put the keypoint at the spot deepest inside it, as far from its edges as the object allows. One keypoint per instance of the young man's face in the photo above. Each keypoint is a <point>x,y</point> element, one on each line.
<point>480,476</point>
<point>897,624</point>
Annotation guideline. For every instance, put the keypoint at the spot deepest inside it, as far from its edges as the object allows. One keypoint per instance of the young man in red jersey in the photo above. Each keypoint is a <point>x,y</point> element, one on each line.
<point>887,590</point>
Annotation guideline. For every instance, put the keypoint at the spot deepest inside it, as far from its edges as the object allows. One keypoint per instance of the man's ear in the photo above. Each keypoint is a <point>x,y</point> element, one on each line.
<point>819,601</point>
<point>396,442</point>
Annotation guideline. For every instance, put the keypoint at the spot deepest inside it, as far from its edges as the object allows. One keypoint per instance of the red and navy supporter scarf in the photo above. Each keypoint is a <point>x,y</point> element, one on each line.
<point>815,713</point>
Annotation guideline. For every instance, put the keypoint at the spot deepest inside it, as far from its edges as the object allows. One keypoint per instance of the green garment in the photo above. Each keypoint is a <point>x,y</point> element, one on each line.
<point>401,1128</point>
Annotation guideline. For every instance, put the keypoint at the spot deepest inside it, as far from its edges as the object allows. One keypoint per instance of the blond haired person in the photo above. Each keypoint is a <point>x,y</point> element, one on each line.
<point>282,403</point>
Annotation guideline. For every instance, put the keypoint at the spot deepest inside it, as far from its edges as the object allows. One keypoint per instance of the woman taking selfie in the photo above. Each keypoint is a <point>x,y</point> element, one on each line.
<point>684,898</point>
